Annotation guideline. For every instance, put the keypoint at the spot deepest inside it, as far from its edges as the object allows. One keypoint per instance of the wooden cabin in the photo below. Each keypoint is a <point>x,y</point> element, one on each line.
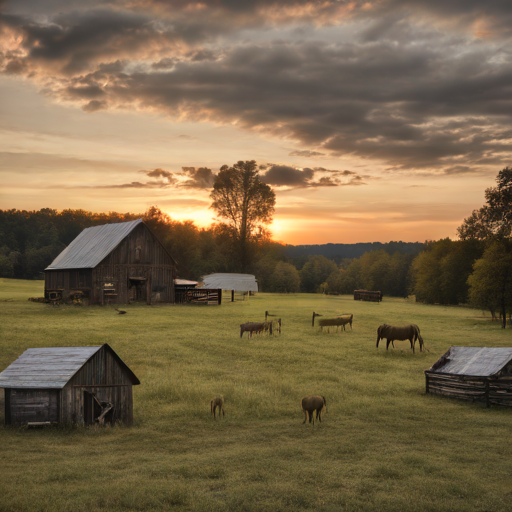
<point>367,295</point>
<point>68,385</point>
<point>113,264</point>
<point>479,374</point>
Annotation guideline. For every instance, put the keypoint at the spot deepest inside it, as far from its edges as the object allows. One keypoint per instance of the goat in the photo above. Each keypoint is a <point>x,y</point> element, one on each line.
<point>339,321</point>
<point>255,327</point>
<point>217,402</point>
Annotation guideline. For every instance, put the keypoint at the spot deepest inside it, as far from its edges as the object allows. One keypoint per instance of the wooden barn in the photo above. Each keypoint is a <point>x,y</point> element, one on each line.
<point>68,385</point>
<point>113,264</point>
<point>479,374</point>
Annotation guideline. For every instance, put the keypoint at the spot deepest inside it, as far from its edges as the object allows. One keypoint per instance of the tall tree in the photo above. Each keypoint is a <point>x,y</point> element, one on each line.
<point>491,281</point>
<point>246,203</point>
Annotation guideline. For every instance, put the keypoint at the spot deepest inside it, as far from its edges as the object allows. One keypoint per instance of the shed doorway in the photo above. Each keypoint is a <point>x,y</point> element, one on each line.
<point>92,408</point>
<point>96,411</point>
<point>137,289</point>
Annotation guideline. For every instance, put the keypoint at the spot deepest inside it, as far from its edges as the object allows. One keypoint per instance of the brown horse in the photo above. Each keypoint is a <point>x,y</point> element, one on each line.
<point>310,404</point>
<point>409,332</point>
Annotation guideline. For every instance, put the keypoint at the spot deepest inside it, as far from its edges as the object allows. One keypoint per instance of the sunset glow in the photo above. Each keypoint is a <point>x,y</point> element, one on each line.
<point>372,121</point>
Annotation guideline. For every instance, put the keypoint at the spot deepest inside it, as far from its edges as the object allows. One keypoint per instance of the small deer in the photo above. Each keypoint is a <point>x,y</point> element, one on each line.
<point>217,402</point>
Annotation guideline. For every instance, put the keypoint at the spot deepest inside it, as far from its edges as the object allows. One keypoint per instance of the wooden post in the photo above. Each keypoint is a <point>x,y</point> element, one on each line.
<point>232,295</point>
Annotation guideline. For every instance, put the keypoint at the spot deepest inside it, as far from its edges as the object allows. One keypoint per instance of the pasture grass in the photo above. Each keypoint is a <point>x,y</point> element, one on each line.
<point>383,445</point>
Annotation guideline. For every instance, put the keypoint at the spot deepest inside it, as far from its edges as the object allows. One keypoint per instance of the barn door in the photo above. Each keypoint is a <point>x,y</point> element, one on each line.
<point>91,408</point>
<point>96,411</point>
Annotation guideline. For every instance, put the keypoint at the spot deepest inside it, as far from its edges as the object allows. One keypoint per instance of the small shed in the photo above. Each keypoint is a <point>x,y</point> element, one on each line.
<point>113,264</point>
<point>368,295</point>
<point>68,385</point>
<point>479,374</point>
<point>243,283</point>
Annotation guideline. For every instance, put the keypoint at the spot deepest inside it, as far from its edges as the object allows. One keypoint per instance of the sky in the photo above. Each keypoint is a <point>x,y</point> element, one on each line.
<point>378,120</point>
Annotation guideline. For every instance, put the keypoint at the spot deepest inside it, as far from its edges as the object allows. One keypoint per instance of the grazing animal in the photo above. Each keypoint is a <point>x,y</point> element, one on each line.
<point>310,404</point>
<point>339,321</point>
<point>217,402</point>
<point>409,332</point>
<point>276,325</point>
<point>120,311</point>
<point>255,327</point>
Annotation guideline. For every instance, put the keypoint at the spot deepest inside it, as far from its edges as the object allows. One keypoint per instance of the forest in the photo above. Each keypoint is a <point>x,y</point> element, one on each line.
<point>476,269</point>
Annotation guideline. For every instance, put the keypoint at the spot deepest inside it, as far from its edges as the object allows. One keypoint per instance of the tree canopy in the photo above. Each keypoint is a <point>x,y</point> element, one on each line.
<point>494,219</point>
<point>245,202</point>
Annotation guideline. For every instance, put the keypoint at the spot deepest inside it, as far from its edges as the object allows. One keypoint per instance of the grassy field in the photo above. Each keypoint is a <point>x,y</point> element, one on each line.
<point>383,445</point>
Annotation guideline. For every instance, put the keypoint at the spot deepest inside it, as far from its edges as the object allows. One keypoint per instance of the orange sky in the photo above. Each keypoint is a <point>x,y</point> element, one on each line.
<point>373,121</point>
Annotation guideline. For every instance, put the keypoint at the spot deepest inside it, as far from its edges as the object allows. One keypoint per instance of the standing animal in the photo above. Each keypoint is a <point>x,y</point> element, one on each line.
<point>310,404</point>
<point>409,332</point>
<point>276,325</point>
<point>255,327</point>
<point>339,321</point>
<point>120,311</point>
<point>217,402</point>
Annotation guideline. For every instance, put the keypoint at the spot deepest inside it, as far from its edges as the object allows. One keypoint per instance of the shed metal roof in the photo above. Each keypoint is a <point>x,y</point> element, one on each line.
<point>237,282</point>
<point>51,367</point>
<point>473,361</point>
<point>92,245</point>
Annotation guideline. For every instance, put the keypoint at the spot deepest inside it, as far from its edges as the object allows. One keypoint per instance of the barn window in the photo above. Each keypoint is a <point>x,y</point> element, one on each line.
<point>137,254</point>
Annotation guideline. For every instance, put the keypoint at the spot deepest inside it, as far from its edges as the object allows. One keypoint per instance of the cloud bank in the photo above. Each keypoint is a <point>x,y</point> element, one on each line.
<point>421,86</point>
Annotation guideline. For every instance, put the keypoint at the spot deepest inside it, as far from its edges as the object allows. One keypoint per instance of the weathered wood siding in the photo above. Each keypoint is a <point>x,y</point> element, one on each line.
<point>103,376</point>
<point>140,270</point>
<point>494,390</point>
<point>367,295</point>
<point>68,281</point>
<point>32,405</point>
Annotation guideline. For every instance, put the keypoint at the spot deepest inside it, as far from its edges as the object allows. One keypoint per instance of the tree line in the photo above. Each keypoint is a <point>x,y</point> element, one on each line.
<point>476,269</point>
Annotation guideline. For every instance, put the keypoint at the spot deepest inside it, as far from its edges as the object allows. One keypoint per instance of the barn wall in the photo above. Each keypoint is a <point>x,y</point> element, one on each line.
<point>68,281</point>
<point>108,380</point>
<point>139,269</point>
<point>496,390</point>
<point>32,405</point>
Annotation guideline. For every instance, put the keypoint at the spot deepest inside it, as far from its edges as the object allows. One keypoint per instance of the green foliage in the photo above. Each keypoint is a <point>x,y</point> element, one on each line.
<point>315,272</point>
<point>494,219</point>
<point>375,270</point>
<point>285,278</point>
<point>383,444</point>
<point>491,280</point>
<point>441,271</point>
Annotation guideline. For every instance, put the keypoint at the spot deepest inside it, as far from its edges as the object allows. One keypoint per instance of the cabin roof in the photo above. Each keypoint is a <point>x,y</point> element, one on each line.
<point>473,361</point>
<point>237,282</point>
<point>92,245</point>
<point>52,367</point>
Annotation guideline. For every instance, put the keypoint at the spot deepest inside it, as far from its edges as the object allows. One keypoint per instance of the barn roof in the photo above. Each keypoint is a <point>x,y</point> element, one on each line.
<point>473,361</point>
<point>52,367</point>
<point>237,282</point>
<point>92,245</point>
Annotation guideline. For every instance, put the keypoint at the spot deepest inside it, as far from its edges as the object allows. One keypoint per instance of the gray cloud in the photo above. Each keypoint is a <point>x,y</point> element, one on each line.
<point>198,177</point>
<point>306,153</point>
<point>287,176</point>
<point>412,85</point>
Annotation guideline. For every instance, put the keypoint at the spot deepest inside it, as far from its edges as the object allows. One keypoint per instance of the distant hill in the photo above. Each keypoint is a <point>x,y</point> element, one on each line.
<point>338,252</point>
